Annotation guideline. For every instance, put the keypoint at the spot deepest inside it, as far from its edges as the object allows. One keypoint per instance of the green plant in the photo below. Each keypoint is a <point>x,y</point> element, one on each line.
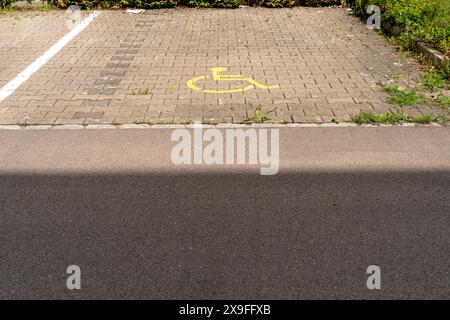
<point>84,4</point>
<point>44,7</point>
<point>5,4</point>
<point>253,3</point>
<point>22,123</point>
<point>318,3</point>
<point>443,100</point>
<point>278,3</point>
<point>259,114</point>
<point>227,4</point>
<point>369,117</point>
<point>154,4</point>
<point>422,119</point>
<point>140,92</point>
<point>432,80</point>
<point>90,4</point>
<point>398,117</point>
<point>403,97</point>
<point>411,20</point>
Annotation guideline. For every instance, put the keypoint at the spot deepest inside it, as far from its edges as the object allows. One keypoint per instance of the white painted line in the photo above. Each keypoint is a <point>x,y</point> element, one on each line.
<point>11,86</point>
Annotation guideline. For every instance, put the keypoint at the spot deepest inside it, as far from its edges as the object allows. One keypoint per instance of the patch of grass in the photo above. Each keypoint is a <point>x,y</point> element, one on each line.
<point>398,117</point>
<point>397,76</point>
<point>432,80</point>
<point>259,114</point>
<point>44,7</point>
<point>278,3</point>
<point>6,4</point>
<point>403,97</point>
<point>443,100</point>
<point>422,119</point>
<point>425,20</point>
<point>92,4</point>
<point>140,92</point>
<point>372,118</point>
<point>22,123</point>
<point>227,4</point>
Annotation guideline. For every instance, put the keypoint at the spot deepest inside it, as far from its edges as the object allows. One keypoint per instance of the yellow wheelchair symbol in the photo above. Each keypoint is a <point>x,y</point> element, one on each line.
<point>227,77</point>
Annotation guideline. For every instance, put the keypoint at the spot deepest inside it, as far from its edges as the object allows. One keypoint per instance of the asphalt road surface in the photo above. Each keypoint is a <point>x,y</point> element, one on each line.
<point>138,226</point>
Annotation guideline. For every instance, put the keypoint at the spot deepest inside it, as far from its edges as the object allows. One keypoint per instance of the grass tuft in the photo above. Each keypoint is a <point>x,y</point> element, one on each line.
<point>443,100</point>
<point>432,80</point>
<point>259,114</point>
<point>403,97</point>
<point>398,117</point>
<point>141,92</point>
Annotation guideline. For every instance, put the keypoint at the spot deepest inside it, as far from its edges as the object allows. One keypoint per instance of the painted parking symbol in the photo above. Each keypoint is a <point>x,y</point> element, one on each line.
<point>217,76</point>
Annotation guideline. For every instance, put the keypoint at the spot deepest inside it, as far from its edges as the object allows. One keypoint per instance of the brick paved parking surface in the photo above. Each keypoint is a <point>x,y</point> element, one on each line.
<point>24,37</point>
<point>324,65</point>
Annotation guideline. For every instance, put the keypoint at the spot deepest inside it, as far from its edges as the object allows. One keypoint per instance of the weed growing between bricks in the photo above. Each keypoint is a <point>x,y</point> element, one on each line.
<point>403,98</point>
<point>397,117</point>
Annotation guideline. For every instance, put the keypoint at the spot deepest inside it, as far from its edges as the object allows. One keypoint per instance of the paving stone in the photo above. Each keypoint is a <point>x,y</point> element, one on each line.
<point>124,58</point>
<point>95,103</point>
<point>126,51</point>
<point>109,91</point>
<point>83,115</point>
<point>113,73</point>
<point>111,82</point>
<point>117,65</point>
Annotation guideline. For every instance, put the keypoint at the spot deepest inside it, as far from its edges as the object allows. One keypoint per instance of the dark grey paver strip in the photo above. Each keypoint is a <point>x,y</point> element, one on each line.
<point>125,58</point>
<point>128,51</point>
<point>117,65</point>
<point>92,115</point>
<point>131,45</point>
<point>96,103</point>
<point>113,73</point>
<point>104,91</point>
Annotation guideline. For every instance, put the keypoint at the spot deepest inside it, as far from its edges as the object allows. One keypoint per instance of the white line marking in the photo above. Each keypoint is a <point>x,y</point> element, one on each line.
<point>11,86</point>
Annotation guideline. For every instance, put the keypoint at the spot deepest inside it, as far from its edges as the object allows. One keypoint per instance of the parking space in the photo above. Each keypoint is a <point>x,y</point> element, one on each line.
<point>185,65</point>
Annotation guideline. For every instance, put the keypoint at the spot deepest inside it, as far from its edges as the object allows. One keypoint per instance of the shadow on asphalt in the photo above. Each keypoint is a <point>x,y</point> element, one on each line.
<point>226,236</point>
